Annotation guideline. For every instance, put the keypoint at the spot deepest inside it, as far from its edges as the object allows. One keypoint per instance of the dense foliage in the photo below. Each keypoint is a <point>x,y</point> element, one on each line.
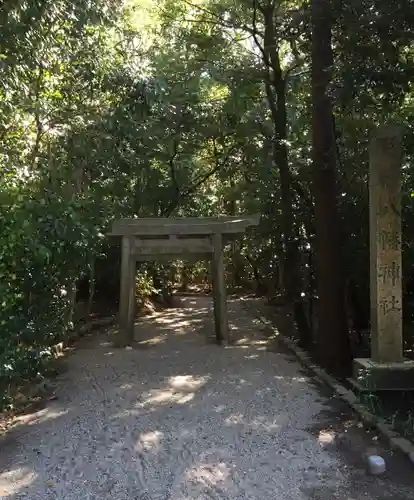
<point>190,107</point>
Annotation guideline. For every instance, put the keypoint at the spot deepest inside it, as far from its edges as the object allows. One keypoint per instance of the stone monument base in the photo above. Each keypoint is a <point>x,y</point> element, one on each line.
<point>370,376</point>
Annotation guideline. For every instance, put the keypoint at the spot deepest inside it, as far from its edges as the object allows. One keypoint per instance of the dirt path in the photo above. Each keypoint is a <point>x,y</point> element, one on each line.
<point>184,419</point>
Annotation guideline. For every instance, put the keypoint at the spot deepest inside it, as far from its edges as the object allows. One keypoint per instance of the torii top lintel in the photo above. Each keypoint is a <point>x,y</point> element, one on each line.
<point>183,226</point>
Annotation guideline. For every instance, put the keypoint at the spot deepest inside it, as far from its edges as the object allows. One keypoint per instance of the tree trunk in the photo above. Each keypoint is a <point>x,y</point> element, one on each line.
<point>92,285</point>
<point>332,340</point>
<point>276,95</point>
<point>71,303</point>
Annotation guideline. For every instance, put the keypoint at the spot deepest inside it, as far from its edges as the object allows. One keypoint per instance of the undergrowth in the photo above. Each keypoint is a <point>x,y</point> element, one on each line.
<point>395,409</point>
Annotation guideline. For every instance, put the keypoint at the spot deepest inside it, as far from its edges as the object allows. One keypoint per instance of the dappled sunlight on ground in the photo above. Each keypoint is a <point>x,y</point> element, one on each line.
<point>168,396</point>
<point>326,437</point>
<point>150,441</point>
<point>258,423</point>
<point>208,475</point>
<point>158,339</point>
<point>14,480</point>
<point>184,420</point>
<point>179,390</point>
<point>41,416</point>
<point>171,323</point>
<point>187,382</point>
<point>294,379</point>
<point>190,320</point>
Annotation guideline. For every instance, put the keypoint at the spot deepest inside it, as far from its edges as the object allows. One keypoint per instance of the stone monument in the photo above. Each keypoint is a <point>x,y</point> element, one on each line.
<point>386,369</point>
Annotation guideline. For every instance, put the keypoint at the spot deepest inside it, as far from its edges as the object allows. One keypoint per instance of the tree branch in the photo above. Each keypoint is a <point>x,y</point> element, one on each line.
<point>256,32</point>
<point>171,163</point>
<point>37,119</point>
<point>219,19</point>
<point>202,179</point>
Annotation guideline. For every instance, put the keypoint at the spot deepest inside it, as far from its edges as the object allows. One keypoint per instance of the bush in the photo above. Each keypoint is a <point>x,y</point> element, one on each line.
<point>45,245</point>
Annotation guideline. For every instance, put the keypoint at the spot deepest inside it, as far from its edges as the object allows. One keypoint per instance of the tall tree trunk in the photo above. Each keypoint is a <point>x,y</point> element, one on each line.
<point>92,284</point>
<point>332,340</point>
<point>230,208</point>
<point>275,85</point>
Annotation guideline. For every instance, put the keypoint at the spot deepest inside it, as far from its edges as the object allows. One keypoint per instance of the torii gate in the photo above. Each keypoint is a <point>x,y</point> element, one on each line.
<point>160,239</point>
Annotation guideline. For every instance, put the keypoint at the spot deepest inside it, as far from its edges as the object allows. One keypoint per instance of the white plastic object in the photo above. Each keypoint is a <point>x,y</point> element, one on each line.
<point>376,465</point>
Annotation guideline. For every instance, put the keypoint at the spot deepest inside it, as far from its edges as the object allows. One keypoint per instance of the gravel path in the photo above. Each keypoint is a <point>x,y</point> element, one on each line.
<point>184,419</point>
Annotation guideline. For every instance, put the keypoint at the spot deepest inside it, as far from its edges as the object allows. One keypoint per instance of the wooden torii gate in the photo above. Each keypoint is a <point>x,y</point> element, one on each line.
<point>161,239</point>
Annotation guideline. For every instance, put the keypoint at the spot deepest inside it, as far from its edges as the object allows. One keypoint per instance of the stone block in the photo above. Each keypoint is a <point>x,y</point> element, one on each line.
<point>370,376</point>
